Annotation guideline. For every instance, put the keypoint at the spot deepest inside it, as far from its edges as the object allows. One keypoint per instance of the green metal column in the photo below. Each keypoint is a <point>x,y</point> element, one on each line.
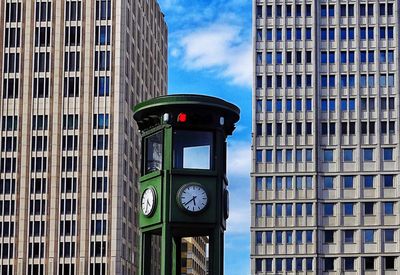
<point>216,262</point>
<point>178,255</point>
<point>145,255</point>
<point>167,255</point>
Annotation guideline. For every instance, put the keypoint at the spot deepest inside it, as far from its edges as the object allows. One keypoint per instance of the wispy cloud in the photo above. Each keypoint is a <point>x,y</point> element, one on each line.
<point>239,184</point>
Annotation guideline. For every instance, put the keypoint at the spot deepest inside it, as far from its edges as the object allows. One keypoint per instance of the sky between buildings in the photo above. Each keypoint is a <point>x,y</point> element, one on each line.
<point>210,53</point>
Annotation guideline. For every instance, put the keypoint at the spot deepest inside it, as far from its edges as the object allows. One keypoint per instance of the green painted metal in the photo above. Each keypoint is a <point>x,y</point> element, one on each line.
<point>169,220</point>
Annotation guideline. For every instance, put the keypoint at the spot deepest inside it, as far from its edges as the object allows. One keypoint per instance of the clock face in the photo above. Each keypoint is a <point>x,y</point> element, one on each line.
<point>149,201</point>
<point>226,201</point>
<point>192,197</point>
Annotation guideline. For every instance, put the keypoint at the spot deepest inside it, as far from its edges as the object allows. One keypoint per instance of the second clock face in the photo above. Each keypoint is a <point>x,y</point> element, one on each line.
<point>149,201</point>
<point>192,197</point>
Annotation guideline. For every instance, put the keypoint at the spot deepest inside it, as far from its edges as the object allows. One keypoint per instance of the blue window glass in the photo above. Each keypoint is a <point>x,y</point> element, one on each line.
<point>289,155</point>
<point>309,236</point>
<point>259,58</point>
<point>259,208</point>
<point>299,209</point>
<point>328,182</point>
<point>279,57</point>
<point>288,81</point>
<point>332,81</point>
<point>279,211</point>
<point>348,263</point>
<point>352,104</point>
<point>324,81</point>
<point>363,81</point>
<point>348,181</point>
<point>278,264</point>
<point>309,104</point>
<point>351,33</point>
<point>100,121</point>
<point>299,236</point>
<point>389,235</point>
<point>324,105</point>
<point>390,57</point>
<point>103,9</point>
<point>288,33</point>
<point>323,10</point>
<point>369,235</point>
<point>298,104</point>
<point>299,182</point>
<point>343,57</point>
<point>258,156</point>
<point>268,105</point>
<point>332,105</point>
<point>289,237</point>
<point>328,209</point>
<point>308,33</point>
<point>343,33</point>
<point>268,155</point>
<point>288,105</point>
<point>102,86</point>
<point>390,34</point>
<point>269,209</point>
<point>343,81</point>
<point>368,181</point>
<point>269,34</point>
<point>289,10</point>
<point>279,34</point>
<point>299,264</point>
<point>309,209</point>
<point>324,34</point>
<point>370,33</point>
<point>279,185</point>
<point>259,183</point>
<point>289,264</point>
<point>348,209</point>
<point>351,57</point>
<point>371,56</point>
<point>382,32</point>
<point>343,105</point>
<point>308,154</point>
<point>103,35</point>
<point>352,81</point>
<point>389,208</point>
<point>363,56</point>
<point>298,33</point>
<point>259,105</point>
<point>349,236</point>
<point>324,57</point>
<point>388,181</point>
<point>331,57</point>
<point>331,34</point>
<point>268,264</point>
<point>268,237</point>
<point>331,10</point>
<point>258,237</point>
<point>348,154</point>
<point>279,237</point>
<point>309,264</point>
<point>259,35</point>
<point>268,57</point>
<point>278,105</point>
<point>328,155</point>
<point>368,154</point>
<point>363,33</point>
<point>289,207</point>
<point>388,154</point>
<point>259,265</point>
<point>299,155</point>
<point>289,184</point>
<point>268,183</point>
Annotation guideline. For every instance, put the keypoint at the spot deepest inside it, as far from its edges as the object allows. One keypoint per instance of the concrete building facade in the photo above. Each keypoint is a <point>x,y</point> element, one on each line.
<point>194,256</point>
<point>325,168</point>
<point>71,72</point>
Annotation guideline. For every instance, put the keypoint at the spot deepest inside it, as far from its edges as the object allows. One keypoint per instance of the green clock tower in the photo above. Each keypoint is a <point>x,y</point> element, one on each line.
<point>183,182</point>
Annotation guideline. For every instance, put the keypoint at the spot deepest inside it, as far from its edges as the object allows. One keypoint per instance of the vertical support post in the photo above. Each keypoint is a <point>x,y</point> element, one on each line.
<point>145,256</point>
<point>167,257</point>
<point>178,255</point>
<point>216,260</point>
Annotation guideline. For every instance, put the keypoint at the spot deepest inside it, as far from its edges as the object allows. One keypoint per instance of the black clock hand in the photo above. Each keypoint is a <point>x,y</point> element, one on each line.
<point>186,203</point>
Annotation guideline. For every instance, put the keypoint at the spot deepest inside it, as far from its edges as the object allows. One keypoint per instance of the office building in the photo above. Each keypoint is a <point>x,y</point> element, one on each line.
<point>71,72</point>
<point>194,251</point>
<point>325,175</point>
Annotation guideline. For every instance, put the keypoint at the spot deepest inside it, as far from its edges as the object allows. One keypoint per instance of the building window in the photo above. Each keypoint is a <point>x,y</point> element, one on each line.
<point>388,154</point>
<point>73,10</point>
<point>348,209</point>
<point>329,236</point>
<point>103,35</point>
<point>369,235</point>
<point>369,263</point>
<point>348,182</point>
<point>328,182</point>
<point>329,209</point>
<point>329,264</point>
<point>369,208</point>
<point>368,154</point>
<point>328,155</point>
<point>388,181</point>
<point>71,86</point>
<point>43,11</point>
<point>71,122</point>
<point>100,121</point>
<point>348,263</point>
<point>100,163</point>
<point>390,262</point>
<point>349,236</point>
<point>41,87</point>
<point>368,181</point>
<point>13,12</point>
<point>388,208</point>
<point>102,86</point>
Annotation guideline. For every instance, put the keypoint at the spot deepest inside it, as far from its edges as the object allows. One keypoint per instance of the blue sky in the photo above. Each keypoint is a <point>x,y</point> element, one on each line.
<point>210,53</point>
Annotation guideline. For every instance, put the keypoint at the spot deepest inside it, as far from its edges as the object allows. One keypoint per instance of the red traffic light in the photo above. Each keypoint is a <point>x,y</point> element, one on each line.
<point>182,117</point>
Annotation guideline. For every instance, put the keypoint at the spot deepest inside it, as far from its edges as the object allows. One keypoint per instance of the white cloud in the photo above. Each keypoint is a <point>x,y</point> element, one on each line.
<point>218,48</point>
<point>239,159</point>
<point>239,155</point>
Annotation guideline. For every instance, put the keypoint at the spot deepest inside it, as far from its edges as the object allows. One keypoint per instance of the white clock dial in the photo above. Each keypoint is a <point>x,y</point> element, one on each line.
<point>148,201</point>
<point>192,197</point>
